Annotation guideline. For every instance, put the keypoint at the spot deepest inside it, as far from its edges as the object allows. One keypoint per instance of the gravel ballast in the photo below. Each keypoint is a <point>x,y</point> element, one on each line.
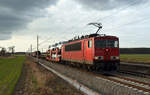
<point>98,84</point>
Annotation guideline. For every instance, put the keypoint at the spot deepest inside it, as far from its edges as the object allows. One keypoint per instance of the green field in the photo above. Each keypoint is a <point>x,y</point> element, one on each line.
<point>10,71</point>
<point>144,58</point>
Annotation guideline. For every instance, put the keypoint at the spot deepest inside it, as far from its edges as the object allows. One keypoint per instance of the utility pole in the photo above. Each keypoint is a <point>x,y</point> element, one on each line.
<point>11,49</point>
<point>37,48</point>
<point>31,49</point>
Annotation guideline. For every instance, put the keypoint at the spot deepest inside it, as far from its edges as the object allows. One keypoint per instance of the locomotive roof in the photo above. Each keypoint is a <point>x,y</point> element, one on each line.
<point>90,36</point>
<point>84,37</point>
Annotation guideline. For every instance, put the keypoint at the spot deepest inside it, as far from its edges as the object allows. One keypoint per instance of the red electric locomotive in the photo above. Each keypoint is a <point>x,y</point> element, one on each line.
<point>54,55</point>
<point>96,51</point>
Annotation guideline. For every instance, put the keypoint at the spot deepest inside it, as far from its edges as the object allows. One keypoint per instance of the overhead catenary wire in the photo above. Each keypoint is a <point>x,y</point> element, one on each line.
<point>45,41</point>
<point>117,12</point>
<point>132,22</point>
<point>129,23</point>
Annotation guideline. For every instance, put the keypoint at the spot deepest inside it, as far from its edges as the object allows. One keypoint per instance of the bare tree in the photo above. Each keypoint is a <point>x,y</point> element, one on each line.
<point>12,49</point>
<point>3,51</point>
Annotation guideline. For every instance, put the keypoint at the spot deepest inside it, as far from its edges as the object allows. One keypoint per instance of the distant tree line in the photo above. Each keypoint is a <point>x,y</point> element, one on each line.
<point>18,53</point>
<point>134,50</point>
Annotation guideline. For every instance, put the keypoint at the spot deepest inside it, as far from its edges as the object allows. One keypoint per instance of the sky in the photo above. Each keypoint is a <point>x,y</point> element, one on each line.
<point>60,20</point>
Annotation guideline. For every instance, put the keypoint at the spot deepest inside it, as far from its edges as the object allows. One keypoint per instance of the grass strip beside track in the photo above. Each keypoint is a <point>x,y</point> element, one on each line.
<point>10,71</point>
<point>140,58</point>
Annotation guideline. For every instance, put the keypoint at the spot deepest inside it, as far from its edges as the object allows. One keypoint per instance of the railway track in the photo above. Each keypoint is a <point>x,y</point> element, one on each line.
<point>139,74</point>
<point>134,84</point>
<point>133,70</point>
<point>126,82</point>
<point>140,70</point>
<point>135,64</point>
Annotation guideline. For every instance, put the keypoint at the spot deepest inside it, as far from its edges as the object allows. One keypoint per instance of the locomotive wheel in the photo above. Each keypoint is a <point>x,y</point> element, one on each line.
<point>97,68</point>
<point>84,67</point>
<point>89,68</point>
<point>117,66</point>
<point>93,68</point>
<point>109,67</point>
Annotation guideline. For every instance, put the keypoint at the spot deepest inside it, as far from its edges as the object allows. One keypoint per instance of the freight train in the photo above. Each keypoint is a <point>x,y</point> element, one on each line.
<point>95,51</point>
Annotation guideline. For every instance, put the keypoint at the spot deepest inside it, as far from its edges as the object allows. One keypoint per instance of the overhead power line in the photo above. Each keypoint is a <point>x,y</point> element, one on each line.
<point>117,12</point>
<point>129,23</point>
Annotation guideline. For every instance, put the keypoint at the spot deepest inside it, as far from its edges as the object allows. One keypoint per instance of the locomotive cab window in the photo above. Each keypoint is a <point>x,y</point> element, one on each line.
<point>89,43</point>
<point>112,43</point>
<point>116,44</point>
<point>100,43</point>
<point>106,43</point>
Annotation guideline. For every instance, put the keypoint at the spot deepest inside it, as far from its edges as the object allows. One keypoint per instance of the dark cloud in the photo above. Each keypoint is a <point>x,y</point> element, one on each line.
<point>5,35</point>
<point>104,5</point>
<point>16,14</point>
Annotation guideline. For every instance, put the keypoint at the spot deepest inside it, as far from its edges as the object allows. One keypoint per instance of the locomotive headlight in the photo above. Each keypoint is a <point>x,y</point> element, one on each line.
<point>96,57</point>
<point>117,57</point>
<point>99,57</point>
<point>114,57</point>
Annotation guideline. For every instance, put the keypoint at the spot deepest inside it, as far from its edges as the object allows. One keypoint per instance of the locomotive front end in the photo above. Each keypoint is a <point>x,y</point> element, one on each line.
<point>106,55</point>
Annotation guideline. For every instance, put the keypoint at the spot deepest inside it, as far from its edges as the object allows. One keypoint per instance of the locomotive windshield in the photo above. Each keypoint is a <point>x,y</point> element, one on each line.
<point>106,44</point>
